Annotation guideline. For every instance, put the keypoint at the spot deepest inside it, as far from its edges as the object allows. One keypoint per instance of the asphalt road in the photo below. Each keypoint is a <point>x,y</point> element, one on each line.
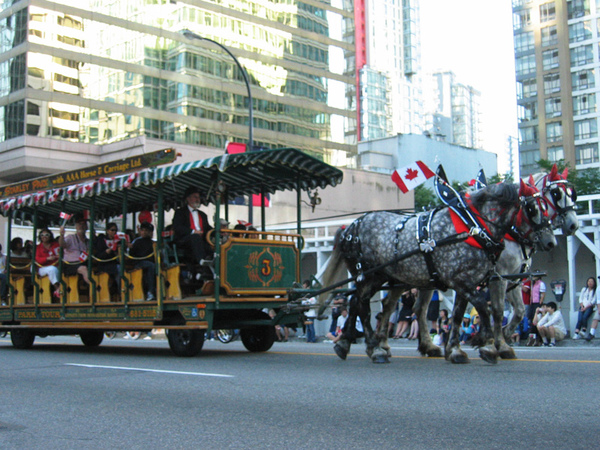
<point>136,394</point>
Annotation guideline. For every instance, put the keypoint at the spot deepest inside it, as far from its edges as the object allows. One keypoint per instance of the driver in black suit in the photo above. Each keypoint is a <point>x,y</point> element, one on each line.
<point>190,226</point>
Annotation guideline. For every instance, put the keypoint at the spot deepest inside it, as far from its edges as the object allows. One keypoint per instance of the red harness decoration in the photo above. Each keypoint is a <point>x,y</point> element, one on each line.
<point>461,227</point>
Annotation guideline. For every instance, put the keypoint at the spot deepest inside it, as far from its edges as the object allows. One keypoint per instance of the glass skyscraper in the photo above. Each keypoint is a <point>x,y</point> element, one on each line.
<point>101,71</point>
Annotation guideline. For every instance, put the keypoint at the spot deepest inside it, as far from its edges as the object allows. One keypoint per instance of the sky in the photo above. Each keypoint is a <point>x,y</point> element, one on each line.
<point>473,39</point>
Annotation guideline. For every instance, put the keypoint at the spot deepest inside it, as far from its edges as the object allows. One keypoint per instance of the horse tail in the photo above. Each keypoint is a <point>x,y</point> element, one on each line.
<point>334,272</point>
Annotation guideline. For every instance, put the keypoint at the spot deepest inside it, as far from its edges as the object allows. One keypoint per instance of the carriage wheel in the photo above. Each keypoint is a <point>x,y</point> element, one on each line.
<point>225,336</point>
<point>259,338</point>
<point>91,338</point>
<point>185,342</point>
<point>22,339</point>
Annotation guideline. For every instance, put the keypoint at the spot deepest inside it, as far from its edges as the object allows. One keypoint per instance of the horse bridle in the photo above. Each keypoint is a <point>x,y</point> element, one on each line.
<point>556,189</point>
<point>530,207</point>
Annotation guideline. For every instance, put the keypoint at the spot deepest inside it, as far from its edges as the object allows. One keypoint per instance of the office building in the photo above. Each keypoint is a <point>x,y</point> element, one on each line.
<point>77,76</point>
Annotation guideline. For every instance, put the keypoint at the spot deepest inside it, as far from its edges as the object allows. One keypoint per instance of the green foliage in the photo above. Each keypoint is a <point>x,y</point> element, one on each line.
<point>586,181</point>
<point>425,198</point>
<point>501,178</point>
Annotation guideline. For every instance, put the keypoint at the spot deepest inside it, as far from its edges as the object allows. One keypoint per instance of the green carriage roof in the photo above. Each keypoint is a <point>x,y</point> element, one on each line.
<point>242,174</point>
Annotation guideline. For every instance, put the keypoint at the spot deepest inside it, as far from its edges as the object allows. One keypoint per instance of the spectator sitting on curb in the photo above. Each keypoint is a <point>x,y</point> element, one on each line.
<point>552,325</point>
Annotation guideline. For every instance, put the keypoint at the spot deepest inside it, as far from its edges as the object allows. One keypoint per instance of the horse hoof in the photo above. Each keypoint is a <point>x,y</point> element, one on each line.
<point>380,359</point>
<point>507,353</point>
<point>340,351</point>
<point>458,357</point>
<point>488,356</point>
<point>434,352</point>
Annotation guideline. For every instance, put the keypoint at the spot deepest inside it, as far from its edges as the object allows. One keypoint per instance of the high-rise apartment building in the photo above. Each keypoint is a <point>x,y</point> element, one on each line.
<point>557,70</point>
<point>100,71</point>
<point>453,110</point>
<point>388,71</point>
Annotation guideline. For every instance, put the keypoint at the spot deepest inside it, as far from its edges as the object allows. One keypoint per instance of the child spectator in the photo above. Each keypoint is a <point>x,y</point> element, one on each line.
<point>466,329</point>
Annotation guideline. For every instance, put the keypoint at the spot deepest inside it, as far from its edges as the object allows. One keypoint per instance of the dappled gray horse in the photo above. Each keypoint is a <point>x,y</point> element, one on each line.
<point>515,258</point>
<point>429,251</point>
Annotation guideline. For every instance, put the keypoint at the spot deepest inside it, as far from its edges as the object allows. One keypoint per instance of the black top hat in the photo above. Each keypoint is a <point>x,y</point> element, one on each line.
<point>191,190</point>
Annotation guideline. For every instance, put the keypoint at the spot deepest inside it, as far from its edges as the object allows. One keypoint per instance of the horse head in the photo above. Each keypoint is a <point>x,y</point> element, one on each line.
<point>498,205</point>
<point>561,197</point>
<point>532,225</point>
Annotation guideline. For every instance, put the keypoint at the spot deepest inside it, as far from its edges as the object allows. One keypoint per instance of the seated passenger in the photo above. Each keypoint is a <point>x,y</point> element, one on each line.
<point>106,253</point>
<point>75,248</point>
<point>16,248</point>
<point>143,249</point>
<point>46,257</point>
<point>190,226</point>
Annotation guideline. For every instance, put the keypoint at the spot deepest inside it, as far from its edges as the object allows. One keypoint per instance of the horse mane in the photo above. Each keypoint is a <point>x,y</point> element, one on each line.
<point>504,193</point>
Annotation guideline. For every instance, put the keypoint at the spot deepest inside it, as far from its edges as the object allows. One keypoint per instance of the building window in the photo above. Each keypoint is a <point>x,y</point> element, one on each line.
<point>580,31</point>
<point>549,36</point>
<point>528,135</point>
<point>553,107</point>
<point>556,154</point>
<point>583,79</point>
<point>554,132</point>
<point>586,154</point>
<point>550,59</point>
<point>584,104</point>
<point>547,12</point>
<point>586,129</point>
<point>578,8</point>
<point>529,158</point>
<point>526,88</point>
<point>524,41</point>
<point>582,55</point>
<point>525,64</point>
<point>521,19</point>
<point>551,83</point>
<point>527,112</point>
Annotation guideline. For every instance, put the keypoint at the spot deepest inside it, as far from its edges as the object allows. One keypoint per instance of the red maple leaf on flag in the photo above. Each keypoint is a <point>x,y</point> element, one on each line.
<point>411,174</point>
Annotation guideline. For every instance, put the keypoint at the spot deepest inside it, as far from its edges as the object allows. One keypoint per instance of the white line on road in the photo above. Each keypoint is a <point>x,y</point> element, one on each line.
<point>199,374</point>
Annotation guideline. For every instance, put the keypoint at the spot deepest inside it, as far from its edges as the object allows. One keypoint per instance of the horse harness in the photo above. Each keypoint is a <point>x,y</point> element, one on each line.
<point>472,231</point>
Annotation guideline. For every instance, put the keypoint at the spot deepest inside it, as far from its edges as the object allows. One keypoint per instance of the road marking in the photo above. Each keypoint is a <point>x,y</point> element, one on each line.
<point>473,357</point>
<point>198,374</point>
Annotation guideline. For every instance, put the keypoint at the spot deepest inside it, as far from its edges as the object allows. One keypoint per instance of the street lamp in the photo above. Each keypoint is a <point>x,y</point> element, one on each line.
<point>190,35</point>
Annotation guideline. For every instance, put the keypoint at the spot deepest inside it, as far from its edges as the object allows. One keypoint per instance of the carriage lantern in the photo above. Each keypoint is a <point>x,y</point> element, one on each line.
<point>558,288</point>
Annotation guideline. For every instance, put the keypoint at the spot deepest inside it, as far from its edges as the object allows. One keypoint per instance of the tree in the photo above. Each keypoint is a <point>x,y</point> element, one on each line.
<point>585,181</point>
<point>425,198</point>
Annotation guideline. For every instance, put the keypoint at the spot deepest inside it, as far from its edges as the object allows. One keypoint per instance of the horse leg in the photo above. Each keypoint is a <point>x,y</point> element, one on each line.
<point>454,354</point>
<point>388,304</point>
<point>487,349</point>
<point>372,340</point>
<point>342,347</point>
<point>515,298</point>
<point>498,291</point>
<point>426,346</point>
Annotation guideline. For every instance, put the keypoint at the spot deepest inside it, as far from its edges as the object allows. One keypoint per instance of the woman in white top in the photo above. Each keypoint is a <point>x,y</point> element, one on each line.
<point>587,301</point>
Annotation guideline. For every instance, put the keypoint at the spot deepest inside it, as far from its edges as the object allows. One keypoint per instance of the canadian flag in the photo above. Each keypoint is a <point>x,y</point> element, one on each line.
<point>409,177</point>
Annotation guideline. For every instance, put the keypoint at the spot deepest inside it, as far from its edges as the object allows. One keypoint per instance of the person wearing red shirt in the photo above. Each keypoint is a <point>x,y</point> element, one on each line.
<point>46,257</point>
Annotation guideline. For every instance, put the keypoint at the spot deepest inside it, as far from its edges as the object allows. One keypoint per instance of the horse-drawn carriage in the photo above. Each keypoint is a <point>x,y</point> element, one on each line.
<point>249,273</point>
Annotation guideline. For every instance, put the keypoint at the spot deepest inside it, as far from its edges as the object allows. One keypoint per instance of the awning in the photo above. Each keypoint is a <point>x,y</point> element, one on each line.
<point>241,174</point>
